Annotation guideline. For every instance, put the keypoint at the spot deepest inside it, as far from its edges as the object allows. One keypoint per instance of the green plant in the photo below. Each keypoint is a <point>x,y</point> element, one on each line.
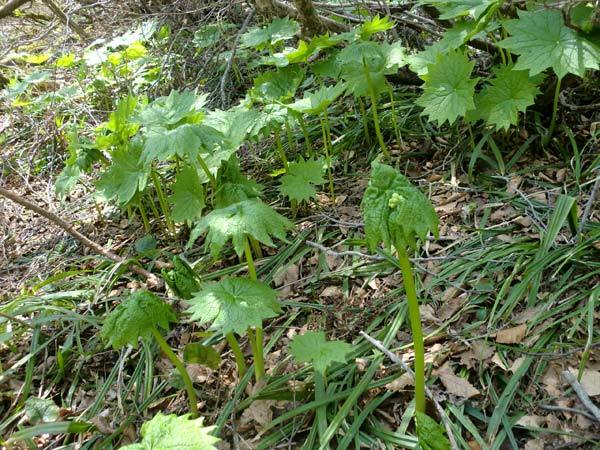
<point>237,305</point>
<point>312,347</point>
<point>397,214</point>
<point>141,316</point>
<point>175,433</point>
<point>298,184</point>
<point>181,279</point>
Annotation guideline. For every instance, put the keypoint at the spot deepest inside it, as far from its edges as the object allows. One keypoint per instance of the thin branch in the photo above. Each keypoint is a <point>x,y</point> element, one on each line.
<point>10,7</point>
<point>589,204</point>
<point>445,420</point>
<point>583,396</point>
<point>153,280</point>
<point>570,410</point>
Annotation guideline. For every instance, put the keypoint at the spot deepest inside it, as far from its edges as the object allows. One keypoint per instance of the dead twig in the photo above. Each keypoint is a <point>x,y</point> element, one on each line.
<point>583,396</point>
<point>589,204</point>
<point>396,360</point>
<point>153,280</point>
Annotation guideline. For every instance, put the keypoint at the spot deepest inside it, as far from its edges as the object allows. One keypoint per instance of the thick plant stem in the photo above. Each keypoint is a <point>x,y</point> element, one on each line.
<point>189,386</point>
<point>237,353</point>
<point>363,116</point>
<point>144,216</point>
<point>324,126</point>
<point>256,341</point>
<point>162,201</point>
<point>375,113</point>
<point>321,410</point>
<point>209,174</point>
<point>280,150</point>
<point>554,113</point>
<point>305,133</point>
<point>415,325</point>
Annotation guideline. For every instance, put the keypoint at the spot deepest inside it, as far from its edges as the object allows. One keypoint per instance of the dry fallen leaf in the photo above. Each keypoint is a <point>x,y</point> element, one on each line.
<point>259,411</point>
<point>531,421</point>
<point>399,384</point>
<point>512,335</point>
<point>456,385</point>
<point>534,444</point>
<point>590,381</point>
<point>499,362</point>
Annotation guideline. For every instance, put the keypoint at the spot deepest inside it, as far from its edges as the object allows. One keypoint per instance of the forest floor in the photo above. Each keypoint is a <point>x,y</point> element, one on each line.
<point>509,290</point>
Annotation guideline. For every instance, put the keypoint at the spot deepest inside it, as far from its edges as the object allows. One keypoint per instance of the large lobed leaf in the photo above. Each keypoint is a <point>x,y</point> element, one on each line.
<point>171,432</point>
<point>302,177</point>
<point>507,94</point>
<point>188,195</point>
<point>313,347</point>
<point>234,305</point>
<point>395,212</point>
<point>135,318</point>
<point>542,40</point>
<point>237,222</point>
<point>448,90</point>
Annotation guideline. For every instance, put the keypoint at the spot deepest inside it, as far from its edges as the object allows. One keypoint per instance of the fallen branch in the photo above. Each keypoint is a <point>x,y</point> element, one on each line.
<point>153,280</point>
<point>445,420</point>
<point>583,396</point>
<point>10,7</point>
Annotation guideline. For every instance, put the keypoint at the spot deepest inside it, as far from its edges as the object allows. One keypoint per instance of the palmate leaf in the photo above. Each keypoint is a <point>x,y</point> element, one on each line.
<point>395,212</point>
<point>234,305</point>
<point>135,318</point>
<point>170,110</point>
<point>163,143</point>
<point>315,102</point>
<point>313,347</point>
<point>171,432</point>
<point>448,91</point>
<point>280,85</point>
<point>181,278</point>
<point>452,9</point>
<point>375,25</point>
<point>542,40</point>
<point>499,103</point>
<point>237,222</point>
<point>301,178</point>
<point>188,195</point>
<point>126,176</point>
<point>354,58</point>
<point>278,30</point>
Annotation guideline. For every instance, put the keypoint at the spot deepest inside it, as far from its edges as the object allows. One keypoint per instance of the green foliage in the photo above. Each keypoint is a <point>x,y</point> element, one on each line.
<point>317,101</point>
<point>126,176</point>
<point>188,195</point>
<point>41,410</point>
<point>233,185</point>
<point>171,432</point>
<point>82,155</point>
<point>135,318</point>
<point>507,94</point>
<point>357,57</point>
<point>431,434</point>
<point>448,90</point>
<point>234,305</point>
<point>395,212</point>
<point>196,353</point>
<point>279,30</point>
<point>376,25</point>
<point>280,85</point>
<point>207,35</point>
<point>542,40</point>
<point>452,9</point>
<point>313,347</point>
<point>237,222</point>
<point>301,178</point>
<point>181,279</point>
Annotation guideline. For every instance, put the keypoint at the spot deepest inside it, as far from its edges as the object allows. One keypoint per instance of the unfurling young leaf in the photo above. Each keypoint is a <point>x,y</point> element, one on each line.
<point>171,432</point>
<point>301,178</point>
<point>135,318</point>
<point>313,347</point>
<point>499,103</point>
<point>375,25</point>
<point>395,211</point>
<point>237,222</point>
<point>234,305</point>
<point>233,185</point>
<point>448,90</point>
<point>188,195</point>
<point>431,434</point>
<point>181,279</point>
<point>542,40</point>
